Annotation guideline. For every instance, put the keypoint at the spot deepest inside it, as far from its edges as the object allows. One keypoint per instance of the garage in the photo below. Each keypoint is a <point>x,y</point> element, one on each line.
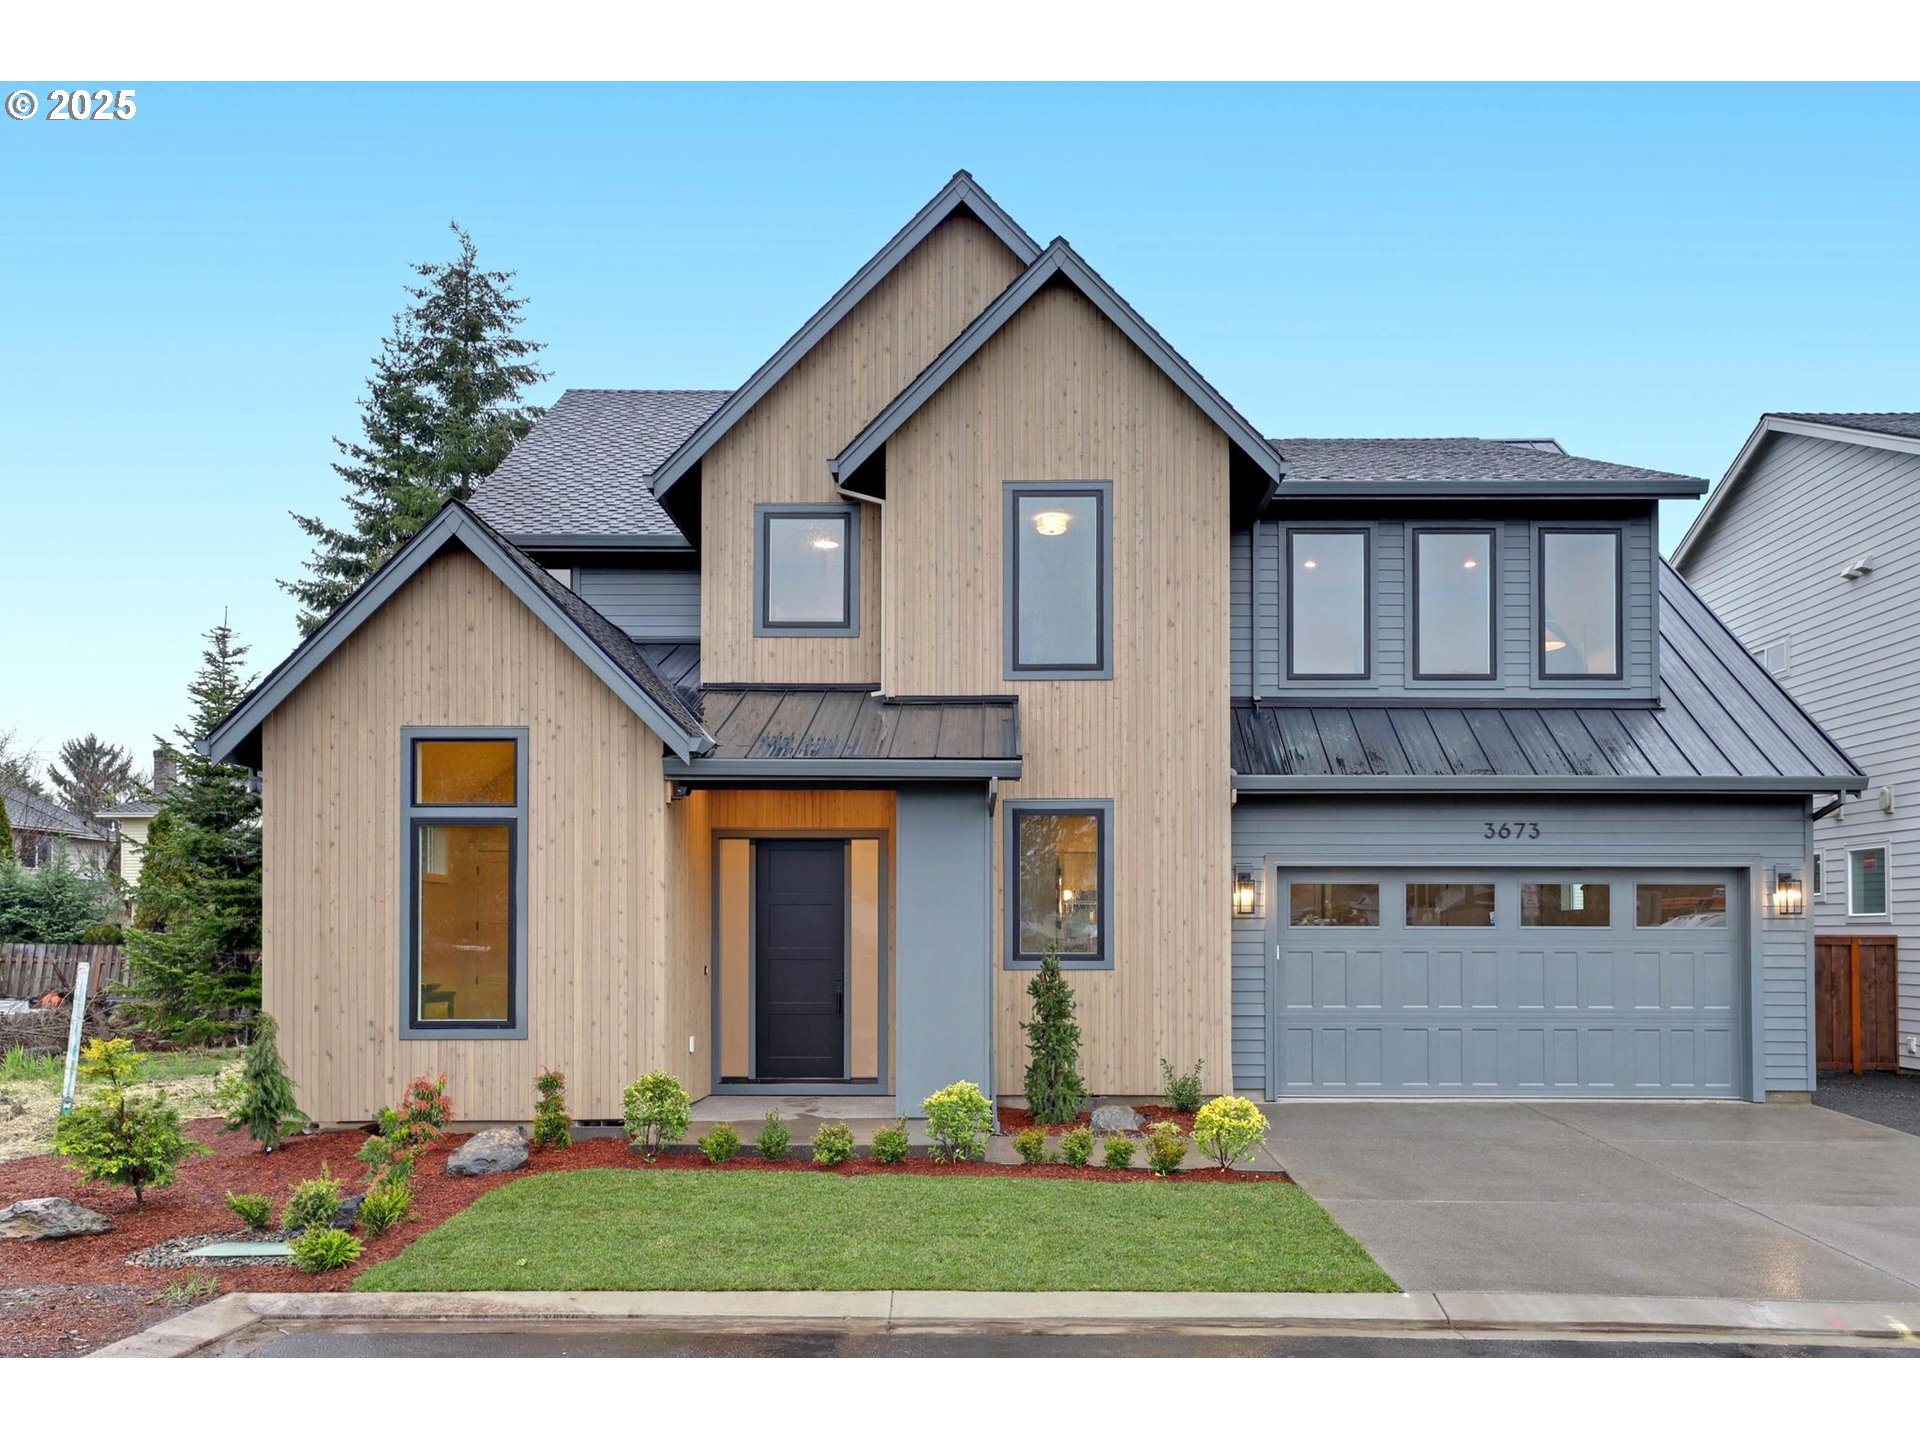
<point>1571,981</point>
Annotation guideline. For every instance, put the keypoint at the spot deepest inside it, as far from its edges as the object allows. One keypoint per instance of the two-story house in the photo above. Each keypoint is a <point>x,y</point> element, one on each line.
<point>1804,548</point>
<point>775,735</point>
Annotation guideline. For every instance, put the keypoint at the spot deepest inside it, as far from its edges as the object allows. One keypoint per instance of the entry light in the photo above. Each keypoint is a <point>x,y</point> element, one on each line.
<point>1246,893</point>
<point>1789,898</point>
<point>1052,522</point>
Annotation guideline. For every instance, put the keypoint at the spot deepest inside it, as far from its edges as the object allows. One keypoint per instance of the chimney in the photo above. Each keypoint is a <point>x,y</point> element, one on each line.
<point>163,773</point>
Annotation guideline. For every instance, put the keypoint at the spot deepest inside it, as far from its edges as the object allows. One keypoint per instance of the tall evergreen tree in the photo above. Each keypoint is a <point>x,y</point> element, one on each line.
<point>198,905</point>
<point>96,775</point>
<point>443,406</point>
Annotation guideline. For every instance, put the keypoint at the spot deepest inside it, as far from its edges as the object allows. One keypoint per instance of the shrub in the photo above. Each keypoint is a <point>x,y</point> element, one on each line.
<point>1228,1130</point>
<point>1118,1153</point>
<point>384,1156</point>
<point>1055,1090</point>
<point>775,1141</point>
<point>1182,1087</point>
<point>1166,1147</point>
<point>105,933</point>
<point>255,1211</point>
<point>385,1206</point>
<point>122,1139</point>
<point>322,1249</point>
<point>832,1144</point>
<point>552,1126</point>
<point>1076,1147</point>
<point>1031,1146</point>
<point>891,1143</point>
<point>959,1119</point>
<point>313,1203</point>
<point>260,1099</point>
<point>658,1108</point>
<point>190,1289</point>
<point>720,1144</point>
<point>424,1110</point>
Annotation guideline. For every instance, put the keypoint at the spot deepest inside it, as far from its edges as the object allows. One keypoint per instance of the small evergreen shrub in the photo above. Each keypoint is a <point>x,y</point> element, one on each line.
<point>260,1099</point>
<point>406,1133</point>
<point>255,1211</point>
<point>552,1126</point>
<point>959,1119</point>
<point>1031,1146</point>
<point>832,1144</point>
<point>1182,1087</point>
<point>658,1109</point>
<point>720,1144</point>
<point>1118,1153</point>
<point>891,1143</point>
<point>1055,1090</point>
<point>1166,1148</point>
<point>313,1203</point>
<point>121,1138</point>
<point>1228,1130</point>
<point>1076,1147</point>
<point>385,1206</point>
<point>775,1141</point>
<point>324,1248</point>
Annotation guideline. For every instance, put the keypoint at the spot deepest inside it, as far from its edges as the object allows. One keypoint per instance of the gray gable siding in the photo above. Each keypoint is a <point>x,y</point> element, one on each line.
<point>1770,564</point>
<point>651,603</point>
<point>1259,636</point>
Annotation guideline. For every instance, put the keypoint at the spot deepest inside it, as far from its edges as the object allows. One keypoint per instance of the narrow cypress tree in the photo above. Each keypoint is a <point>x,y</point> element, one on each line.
<point>1055,1090</point>
<point>261,1101</point>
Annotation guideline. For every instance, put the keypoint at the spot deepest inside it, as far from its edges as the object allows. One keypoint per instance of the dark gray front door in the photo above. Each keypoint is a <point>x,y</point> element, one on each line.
<point>800,959</point>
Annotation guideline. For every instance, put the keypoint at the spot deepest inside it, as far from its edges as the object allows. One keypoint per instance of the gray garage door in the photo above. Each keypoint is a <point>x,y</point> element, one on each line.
<point>1568,982</point>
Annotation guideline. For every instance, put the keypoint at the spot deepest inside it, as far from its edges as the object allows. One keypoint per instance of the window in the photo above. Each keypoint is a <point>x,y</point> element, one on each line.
<point>1867,881</point>
<point>1059,872</point>
<point>1570,903</point>
<point>1334,905</point>
<point>465,968</point>
<point>1580,634</point>
<point>1775,658</point>
<point>562,573</point>
<point>1819,874</point>
<point>806,581</point>
<point>1680,907</point>
<point>1451,903</point>
<point>1327,604</point>
<point>1453,604</point>
<point>1059,582</point>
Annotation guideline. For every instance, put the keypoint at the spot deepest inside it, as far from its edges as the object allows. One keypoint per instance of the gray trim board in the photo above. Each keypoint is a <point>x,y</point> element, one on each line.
<point>1012,958</point>
<point>943,868</point>
<point>767,511</point>
<point>1013,491</point>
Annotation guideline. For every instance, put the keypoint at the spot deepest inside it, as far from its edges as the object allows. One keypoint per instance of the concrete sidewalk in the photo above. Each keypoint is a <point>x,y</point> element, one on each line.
<point>235,1324</point>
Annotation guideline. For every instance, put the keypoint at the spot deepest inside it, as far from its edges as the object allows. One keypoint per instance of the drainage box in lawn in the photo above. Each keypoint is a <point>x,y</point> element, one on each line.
<point>248,1249</point>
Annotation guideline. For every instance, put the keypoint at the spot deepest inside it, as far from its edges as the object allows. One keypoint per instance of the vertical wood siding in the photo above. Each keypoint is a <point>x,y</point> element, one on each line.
<point>1060,394</point>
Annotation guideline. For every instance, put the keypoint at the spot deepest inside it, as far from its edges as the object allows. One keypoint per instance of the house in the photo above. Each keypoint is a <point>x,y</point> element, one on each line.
<point>41,829</point>
<point>774,735</point>
<point>1803,548</point>
<point>134,817</point>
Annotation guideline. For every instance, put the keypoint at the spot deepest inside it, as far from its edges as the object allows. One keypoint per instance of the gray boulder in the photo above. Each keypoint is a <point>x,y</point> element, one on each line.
<point>491,1152</point>
<point>348,1215</point>
<point>1108,1119</point>
<point>50,1219</point>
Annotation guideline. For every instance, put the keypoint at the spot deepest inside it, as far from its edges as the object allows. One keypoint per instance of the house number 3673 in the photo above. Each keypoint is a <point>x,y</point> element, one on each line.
<point>1511,830</point>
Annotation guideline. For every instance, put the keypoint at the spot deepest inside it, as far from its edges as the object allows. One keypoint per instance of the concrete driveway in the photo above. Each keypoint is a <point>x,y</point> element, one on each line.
<point>1616,1198</point>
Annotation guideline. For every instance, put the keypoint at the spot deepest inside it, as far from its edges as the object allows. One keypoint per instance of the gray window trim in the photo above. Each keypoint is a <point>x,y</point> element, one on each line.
<point>1014,492</point>
<point>1886,884</point>
<point>1102,810</point>
<point>1619,671</point>
<point>412,815</point>
<point>1492,532</point>
<point>1365,532</point>
<point>762,626</point>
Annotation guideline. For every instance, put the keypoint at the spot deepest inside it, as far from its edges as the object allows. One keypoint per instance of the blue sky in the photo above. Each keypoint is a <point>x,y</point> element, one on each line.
<point>189,299</point>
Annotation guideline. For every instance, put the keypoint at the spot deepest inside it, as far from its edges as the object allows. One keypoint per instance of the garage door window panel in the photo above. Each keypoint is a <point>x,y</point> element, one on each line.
<point>1449,904</point>
<point>1566,904</point>
<point>1680,907</point>
<point>1335,905</point>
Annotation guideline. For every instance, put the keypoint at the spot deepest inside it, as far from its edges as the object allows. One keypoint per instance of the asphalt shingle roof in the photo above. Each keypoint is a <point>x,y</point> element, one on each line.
<point>1904,423</point>
<point>1448,460</point>
<point>27,811</point>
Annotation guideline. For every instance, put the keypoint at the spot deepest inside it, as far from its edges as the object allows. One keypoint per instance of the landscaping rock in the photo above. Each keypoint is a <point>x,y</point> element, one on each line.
<point>50,1218</point>
<point>1109,1119</point>
<point>491,1152</point>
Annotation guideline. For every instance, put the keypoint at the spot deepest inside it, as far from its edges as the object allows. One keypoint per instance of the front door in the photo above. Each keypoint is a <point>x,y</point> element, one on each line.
<point>800,959</point>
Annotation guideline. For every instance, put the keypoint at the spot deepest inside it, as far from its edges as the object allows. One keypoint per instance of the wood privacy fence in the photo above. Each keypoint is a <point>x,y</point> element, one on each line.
<point>1856,1002</point>
<point>29,971</point>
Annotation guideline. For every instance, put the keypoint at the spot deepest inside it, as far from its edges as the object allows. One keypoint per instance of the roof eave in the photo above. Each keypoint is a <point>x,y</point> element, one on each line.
<point>581,541</point>
<point>733,770</point>
<point>1679,488</point>
<point>1699,785</point>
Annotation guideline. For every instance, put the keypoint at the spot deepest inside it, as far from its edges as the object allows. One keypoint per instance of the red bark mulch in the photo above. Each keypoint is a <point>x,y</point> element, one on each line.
<point>1013,1119</point>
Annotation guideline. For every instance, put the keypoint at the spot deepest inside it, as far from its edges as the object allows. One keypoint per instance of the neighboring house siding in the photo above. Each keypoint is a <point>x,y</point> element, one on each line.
<point>1061,394</point>
<point>777,452</point>
<point>133,845</point>
<point>659,603</point>
<point>1447,834</point>
<point>455,648</point>
<point>1771,566</point>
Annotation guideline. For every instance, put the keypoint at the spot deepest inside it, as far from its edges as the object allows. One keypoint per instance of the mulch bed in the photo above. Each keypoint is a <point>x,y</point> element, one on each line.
<point>1013,1119</point>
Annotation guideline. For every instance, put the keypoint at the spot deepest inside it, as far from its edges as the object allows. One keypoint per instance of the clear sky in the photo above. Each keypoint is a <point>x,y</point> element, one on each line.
<point>188,300</point>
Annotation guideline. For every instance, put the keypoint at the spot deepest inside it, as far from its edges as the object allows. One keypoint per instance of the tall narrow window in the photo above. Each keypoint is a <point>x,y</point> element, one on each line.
<point>1580,604</point>
<point>806,581</point>
<point>1059,869</point>
<point>1867,881</point>
<point>465,805</point>
<point>1327,588</point>
<point>1453,604</point>
<point>1059,582</point>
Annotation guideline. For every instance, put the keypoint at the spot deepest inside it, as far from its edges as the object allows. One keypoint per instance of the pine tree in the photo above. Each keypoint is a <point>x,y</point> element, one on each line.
<point>260,1101</point>
<point>443,406</point>
<point>1055,1090</point>
<point>198,904</point>
<point>97,775</point>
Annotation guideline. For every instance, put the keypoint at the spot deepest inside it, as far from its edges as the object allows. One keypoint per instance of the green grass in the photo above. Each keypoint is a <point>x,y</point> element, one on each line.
<point>18,1067</point>
<point>721,1230</point>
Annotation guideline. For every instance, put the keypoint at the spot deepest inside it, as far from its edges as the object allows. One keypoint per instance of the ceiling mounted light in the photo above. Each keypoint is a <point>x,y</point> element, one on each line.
<point>1052,522</point>
<point>1556,644</point>
<point>825,542</point>
<point>1470,564</point>
<point>1310,564</point>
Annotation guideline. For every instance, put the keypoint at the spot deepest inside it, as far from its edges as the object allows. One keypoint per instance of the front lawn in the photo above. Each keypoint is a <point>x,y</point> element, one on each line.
<point>720,1230</point>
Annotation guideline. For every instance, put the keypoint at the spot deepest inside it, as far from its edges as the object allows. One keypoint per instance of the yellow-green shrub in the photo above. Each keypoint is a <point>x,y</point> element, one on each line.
<point>1228,1130</point>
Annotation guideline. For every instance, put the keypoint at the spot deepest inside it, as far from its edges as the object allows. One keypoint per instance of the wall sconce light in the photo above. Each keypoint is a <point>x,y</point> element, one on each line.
<point>1789,897</point>
<point>1246,893</point>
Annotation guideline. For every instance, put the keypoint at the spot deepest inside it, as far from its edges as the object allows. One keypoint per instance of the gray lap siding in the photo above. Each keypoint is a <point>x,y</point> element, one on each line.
<point>1759,835</point>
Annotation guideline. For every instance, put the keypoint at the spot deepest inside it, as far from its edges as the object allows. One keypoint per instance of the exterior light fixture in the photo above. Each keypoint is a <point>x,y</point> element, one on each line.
<point>1052,522</point>
<point>1789,897</point>
<point>1246,893</point>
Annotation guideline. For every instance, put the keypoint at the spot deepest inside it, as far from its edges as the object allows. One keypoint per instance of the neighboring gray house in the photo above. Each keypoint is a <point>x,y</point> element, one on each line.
<point>40,828</point>
<point>1809,549</point>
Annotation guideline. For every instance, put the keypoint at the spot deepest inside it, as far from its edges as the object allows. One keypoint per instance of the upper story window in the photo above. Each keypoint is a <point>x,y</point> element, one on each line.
<point>1453,616</point>
<point>1327,604</point>
<point>1059,581</point>
<point>806,572</point>
<point>1867,881</point>
<point>1580,623</point>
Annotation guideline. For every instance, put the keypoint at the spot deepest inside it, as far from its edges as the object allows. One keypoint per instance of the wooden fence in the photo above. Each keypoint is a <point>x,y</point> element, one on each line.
<point>1856,1002</point>
<point>29,971</point>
